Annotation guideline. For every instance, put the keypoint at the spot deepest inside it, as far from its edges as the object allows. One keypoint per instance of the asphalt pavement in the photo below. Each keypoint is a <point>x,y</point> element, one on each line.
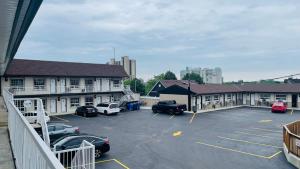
<point>241,138</point>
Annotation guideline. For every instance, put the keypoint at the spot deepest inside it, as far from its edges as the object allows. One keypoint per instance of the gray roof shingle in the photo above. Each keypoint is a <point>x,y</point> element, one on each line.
<point>20,67</point>
<point>234,88</point>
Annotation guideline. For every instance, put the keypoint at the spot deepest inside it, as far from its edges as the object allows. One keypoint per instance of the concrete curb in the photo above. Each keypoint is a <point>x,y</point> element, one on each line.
<point>291,158</point>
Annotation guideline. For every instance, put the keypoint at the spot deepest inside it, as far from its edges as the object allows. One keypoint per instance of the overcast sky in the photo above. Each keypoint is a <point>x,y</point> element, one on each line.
<point>249,40</point>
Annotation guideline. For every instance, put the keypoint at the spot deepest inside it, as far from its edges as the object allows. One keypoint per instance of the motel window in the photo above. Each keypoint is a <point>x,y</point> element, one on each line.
<point>17,84</point>
<point>280,97</point>
<point>74,83</point>
<point>216,97</point>
<point>44,104</point>
<point>89,101</point>
<point>74,102</point>
<point>229,96</point>
<point>20,105</point>
<point>207,98</point>
<point>39,84</point>
<point>116,83</point>
<point>265,96</point>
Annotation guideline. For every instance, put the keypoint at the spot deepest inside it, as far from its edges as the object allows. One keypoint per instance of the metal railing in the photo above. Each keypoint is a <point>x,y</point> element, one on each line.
<point>62,89</point>
<point>29,150</point>
<point>82,157</point>
<point>291,138</point>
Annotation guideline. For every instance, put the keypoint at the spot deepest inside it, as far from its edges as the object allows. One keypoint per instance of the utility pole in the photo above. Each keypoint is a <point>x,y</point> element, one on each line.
<point>114,53</point>
<point>189,95</point>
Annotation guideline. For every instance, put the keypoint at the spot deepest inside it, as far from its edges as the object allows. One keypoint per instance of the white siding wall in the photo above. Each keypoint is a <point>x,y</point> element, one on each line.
<point>105,85</point>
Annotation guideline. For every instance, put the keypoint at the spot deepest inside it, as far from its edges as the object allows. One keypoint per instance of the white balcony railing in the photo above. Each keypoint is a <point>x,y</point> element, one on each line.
<point>63,89</point>
<point>29,149</point>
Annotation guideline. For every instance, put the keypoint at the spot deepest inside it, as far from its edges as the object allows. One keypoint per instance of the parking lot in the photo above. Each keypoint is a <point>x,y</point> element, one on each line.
<point>238,138</point>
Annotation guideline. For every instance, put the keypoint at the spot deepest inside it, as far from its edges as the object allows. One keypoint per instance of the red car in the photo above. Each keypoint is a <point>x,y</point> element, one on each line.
<point>279,106</point>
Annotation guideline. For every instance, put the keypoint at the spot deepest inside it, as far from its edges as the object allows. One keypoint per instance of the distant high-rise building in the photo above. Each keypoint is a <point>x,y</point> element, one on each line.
<point>209,76</point>
<point>128,64</point>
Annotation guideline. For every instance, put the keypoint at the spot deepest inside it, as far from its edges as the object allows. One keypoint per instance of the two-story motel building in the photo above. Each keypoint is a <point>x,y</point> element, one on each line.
<point>63,86</point>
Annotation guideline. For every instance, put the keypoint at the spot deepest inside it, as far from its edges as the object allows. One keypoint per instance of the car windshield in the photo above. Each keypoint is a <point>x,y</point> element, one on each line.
<point>112,106</point>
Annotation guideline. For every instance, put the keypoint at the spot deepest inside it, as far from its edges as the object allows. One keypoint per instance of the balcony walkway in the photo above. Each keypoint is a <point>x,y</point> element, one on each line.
<point>6,159</point>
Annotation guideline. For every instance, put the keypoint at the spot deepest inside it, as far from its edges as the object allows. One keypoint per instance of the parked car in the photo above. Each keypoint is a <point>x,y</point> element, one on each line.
<point>74,141</point>
<point>58,130</point>
<point>169,106</point>
<point>108,108</point>
<point>32,117</point>
<point>86,111</point>
<point>279,106</point>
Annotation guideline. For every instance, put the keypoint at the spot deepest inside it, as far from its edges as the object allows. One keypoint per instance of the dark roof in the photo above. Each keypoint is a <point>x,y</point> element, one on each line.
<point>20,67</point>
<point>234,88</point>
<point>271,88</point>
<point>168,83</point>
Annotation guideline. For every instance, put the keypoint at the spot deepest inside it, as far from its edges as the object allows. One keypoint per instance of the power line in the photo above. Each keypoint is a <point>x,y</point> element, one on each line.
<point>281,77</point>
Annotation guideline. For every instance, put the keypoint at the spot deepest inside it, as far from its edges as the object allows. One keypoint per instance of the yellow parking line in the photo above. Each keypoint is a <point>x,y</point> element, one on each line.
<point>104,161</point>
<point>123,165</point>
<point>154,115</point>
<point>272,156</point>
<point>265,121</point>
<point>252,130</point>
<point>115,160</point>
<point>274,131</point>
<point>249,142</point>
<point>258,135</point>
<point>172,117</point>
<point>194,115</point>
<point>233,150</point>
<point>59,118</point>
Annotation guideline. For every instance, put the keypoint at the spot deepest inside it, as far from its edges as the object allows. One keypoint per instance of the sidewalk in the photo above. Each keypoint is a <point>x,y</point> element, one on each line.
<point>6,159</point>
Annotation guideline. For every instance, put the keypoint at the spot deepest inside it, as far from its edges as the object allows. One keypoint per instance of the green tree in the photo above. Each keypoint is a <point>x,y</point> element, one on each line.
<point>193,76</point>
<point>170,76</point>
<point>150,83</point>
<point>137,86</point>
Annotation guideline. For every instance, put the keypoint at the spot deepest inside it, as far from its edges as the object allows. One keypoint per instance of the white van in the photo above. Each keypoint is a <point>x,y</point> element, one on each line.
<point>108,108</point>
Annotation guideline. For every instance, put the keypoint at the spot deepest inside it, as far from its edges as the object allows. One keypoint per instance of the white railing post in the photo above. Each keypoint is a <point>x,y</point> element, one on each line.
<point>26,144</point>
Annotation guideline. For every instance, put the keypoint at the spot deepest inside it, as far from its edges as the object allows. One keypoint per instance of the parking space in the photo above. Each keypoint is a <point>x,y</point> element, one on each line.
<point>237,138</point>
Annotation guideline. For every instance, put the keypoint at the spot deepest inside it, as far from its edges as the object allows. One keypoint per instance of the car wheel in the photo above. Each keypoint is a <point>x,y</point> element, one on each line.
<point>171,111</point>
<point>105,112</point>
<point>98,153</point>
<point>154,110</point>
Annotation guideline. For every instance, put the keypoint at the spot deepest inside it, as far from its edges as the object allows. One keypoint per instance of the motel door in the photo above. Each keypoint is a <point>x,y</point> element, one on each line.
<point>63,85</point>
<point>244,99</point>
<point>252,99</point>
<point>52,86</point>
<point>98,84</point>
<point>105,84</point>
<point>53,105</point>
<point>64,105</point>
<point>98,100</point>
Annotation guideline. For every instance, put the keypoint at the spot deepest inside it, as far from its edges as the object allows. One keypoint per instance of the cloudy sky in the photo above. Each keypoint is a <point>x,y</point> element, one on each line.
<point>250,40</point>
